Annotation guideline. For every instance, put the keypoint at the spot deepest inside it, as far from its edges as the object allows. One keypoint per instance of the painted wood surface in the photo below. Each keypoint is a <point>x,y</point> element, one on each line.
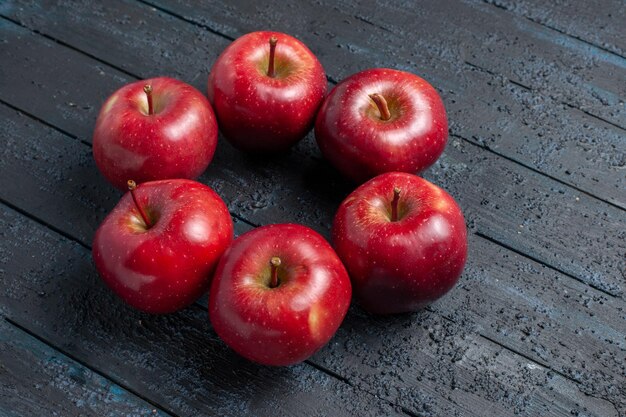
<point>599,23</point>
<point>537,325</point>
<point>36,379</point>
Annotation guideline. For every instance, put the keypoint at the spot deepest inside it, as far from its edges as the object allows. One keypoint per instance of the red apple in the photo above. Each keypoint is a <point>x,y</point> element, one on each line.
<point>279,294</point>
<point>160,245</point>
<point>403,241</point>
<point>154,129</point>
<point>266,88</point>
<point>381,120</point>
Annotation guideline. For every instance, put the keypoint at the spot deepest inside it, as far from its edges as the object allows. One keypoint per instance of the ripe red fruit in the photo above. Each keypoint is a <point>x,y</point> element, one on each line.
<point>155,129</point>
<point>159,246</point>
<point>266,88</point>
<point>403,241</point>
<point>279,294</point>
<point>381,120</point>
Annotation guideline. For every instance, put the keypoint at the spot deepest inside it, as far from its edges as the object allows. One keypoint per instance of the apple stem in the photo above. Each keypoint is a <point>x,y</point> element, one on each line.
<point>148,90</point>
<point>274,264</point>
<point>394,204</point>
<point>131,187</point>
<point>381,103</point>
<point>270,65</point>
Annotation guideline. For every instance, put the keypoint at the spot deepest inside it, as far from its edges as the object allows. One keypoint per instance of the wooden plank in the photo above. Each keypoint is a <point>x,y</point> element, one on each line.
<point>173,50</point>
<point>509,203</point>
<point>55,177</point>
<point>522,125</point>
<point>545,316</point>
<point>36,380</point>
<point>599,22</point>
<point>43,88</point>
<point>527,53</point>
<point>454,363</point>
<point>50,287</point>
<point>436,366</point>
<point>531,311</point>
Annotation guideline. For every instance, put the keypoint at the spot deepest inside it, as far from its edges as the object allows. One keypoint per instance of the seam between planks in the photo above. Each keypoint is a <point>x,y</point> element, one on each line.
<point>181,17</point>
<point>562,32</point>
<point>608,400</point>
<point>43,122</point>
<point>44,223</point>
<point>593,116</point>
<point>533,361</point>
<point>525,87</point>
<point>92,369</point>
<point>321,368</point>
<point>198,305</point>
<point>535,170</point>
<point>65,44</point>
<point>540,262</point>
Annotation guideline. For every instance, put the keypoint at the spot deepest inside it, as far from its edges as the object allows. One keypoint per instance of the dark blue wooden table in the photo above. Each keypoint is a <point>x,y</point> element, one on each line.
<point>535,95</point>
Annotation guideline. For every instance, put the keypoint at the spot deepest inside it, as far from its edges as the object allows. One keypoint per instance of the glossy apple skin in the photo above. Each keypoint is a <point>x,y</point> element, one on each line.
<point>289,323</point>
<point>258,113</point>
<point>177,141</point>
<point>400,266</point>
<point>168,266</point>
<point>354,138</point>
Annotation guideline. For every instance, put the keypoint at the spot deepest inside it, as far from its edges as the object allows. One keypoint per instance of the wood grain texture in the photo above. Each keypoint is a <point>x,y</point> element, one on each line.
<point>427,365</point>
<point>503,307</point>
<point>426,357</point>
<point>509,203</point>
<point>51,288</point>
<point>470,63</point>
<point>457,359</point>
<point>531,311</point>
<point>552,321</point>
<point>247,205</point>
<point>486,108</point>
<point>36,380</point>
<point>180,51</point>
<point>524,52</point>
<point>600,22</point>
